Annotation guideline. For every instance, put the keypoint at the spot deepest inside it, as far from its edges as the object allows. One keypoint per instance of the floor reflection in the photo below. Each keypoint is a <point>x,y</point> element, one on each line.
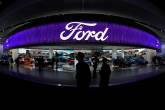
<point>61,77</point>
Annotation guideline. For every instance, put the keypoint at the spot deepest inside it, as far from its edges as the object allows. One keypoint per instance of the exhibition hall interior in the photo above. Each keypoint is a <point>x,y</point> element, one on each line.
<point>41,40</point>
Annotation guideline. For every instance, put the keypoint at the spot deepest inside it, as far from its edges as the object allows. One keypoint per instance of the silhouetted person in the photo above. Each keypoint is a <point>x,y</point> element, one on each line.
<point>105,73</point>
<point>95,64</point>
<point>159,60</point>
<point>17,63</point>
<point>11,61</point>
<point>40,63</point>
<point>57,60</point>
<point>53,60</point>
<point>154,60</point>
<point>83,74</point>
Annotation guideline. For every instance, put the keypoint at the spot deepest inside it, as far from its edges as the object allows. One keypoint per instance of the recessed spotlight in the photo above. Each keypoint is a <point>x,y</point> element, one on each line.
<point>59,84</point>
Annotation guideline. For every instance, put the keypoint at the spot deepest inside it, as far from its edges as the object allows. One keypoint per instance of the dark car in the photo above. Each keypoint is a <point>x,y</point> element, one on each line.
<point>140,61</point>
<point>137,60</point>
<point>62,59</point>
<point>4,60</point>
<point>129,60</point>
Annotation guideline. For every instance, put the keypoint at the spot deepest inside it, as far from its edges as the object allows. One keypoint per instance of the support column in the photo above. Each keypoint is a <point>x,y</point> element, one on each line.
<point>1,50</point>
<point>114,55</point>
<point>162,49</point>
<point>122,53</point>
<point>75,62</point>
<point>50,53</point>
<point>149,55</point>
<point>15,53</point>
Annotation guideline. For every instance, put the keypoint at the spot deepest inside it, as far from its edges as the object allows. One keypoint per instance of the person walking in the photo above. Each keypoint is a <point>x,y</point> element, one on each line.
<point>105,73</point>
<point>83,73</point>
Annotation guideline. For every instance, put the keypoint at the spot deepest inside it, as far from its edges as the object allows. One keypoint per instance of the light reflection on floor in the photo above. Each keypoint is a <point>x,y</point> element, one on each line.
<point>67,78</point>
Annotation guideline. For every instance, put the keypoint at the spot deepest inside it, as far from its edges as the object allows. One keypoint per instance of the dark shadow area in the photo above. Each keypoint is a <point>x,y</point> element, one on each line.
<point>13,88</point>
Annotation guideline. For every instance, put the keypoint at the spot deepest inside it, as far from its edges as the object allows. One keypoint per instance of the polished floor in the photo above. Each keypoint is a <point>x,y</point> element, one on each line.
<point>67,78</point>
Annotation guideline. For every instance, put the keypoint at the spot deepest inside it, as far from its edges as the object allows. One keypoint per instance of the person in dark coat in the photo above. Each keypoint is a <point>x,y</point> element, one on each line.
<point>17,63</point>
<point>105,73</point>
<point>95,64</point>
<point>40,63</point>
<point>57,60</point>
<point>83,73</point>
<point>53,60</point>
<point>11,61</point>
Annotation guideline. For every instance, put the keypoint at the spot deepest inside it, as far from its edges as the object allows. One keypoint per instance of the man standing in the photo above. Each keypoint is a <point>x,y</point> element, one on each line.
<point>40,63</point>
<point>53,60</point>
<point>57,61</point>
<point>83,74</point>
<point>95,64</point>
<point>17,63</point>
<point>105,73</point>
<point>11,62</point>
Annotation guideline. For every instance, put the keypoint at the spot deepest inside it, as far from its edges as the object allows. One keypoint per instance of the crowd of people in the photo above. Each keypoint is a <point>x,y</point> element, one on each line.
<point>40,63</point>
<point>11,62</point>
<point>83,72</point>
<point>37,62</point>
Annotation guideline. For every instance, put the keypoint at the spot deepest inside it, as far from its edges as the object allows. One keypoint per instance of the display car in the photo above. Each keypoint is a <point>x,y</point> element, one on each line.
<point>140,61</point>
<point>4,60</point>
<point>137,60</point>
<point>70,61</point>
<point>88,61</point>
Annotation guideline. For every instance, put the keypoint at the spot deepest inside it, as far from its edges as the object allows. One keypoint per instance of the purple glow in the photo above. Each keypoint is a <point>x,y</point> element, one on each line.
<point>50,34</point>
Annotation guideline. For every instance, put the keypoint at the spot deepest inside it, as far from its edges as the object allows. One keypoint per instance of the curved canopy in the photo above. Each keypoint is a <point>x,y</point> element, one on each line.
<point>82,32</point>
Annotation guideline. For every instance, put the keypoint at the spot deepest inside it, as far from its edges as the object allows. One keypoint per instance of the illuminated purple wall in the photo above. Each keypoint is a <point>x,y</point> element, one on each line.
<point>50,34</point>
